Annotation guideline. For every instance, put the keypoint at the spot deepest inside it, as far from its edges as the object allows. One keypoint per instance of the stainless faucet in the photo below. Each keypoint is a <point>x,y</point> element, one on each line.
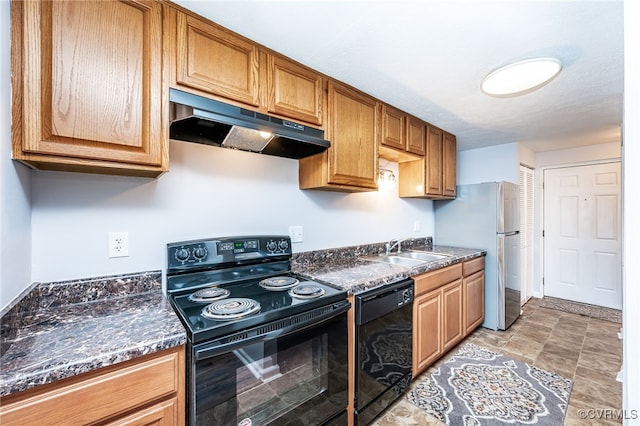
<point>392,243</point>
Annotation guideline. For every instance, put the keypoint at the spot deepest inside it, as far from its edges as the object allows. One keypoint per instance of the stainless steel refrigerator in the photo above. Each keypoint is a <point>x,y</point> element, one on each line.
<point>487,216</point>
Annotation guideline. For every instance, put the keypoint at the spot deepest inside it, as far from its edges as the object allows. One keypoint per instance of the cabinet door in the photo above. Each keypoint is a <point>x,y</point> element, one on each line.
<point>433,166</point>
<point>106,393</point>
<point>295,91</point>
<point>353,132</point>
<point>91,85</point>
<point>473,301</point>
<point>161,414</point>
<point>393,128</point>
<point>427,330</point>
<point>452,313</point>
<point>449,165</point>
<point>215,61</point>
<point>416,135</point>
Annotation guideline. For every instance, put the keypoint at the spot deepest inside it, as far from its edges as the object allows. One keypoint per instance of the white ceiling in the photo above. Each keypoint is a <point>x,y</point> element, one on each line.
<point>428,58</point>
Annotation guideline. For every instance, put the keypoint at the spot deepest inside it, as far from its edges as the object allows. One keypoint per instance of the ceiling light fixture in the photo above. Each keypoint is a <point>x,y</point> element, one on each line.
<point>521,77</point>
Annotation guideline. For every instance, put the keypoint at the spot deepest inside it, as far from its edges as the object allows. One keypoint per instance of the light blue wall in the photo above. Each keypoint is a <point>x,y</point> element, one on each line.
<point>15,183</point>
<point>208,192</point>
<point>490,164</point>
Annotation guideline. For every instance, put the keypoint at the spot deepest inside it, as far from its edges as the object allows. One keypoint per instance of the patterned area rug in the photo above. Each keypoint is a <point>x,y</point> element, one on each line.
<point>476,386</point>
<point>607,314</point>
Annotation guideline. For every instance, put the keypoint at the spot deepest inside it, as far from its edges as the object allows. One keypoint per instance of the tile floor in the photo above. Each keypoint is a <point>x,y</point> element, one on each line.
<point>586,350</point>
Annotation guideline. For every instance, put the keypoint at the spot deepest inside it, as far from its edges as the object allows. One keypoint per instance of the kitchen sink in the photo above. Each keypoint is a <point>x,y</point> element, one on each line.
<point>394,260</point>
<point>422,255</point>
<point>407,258</point>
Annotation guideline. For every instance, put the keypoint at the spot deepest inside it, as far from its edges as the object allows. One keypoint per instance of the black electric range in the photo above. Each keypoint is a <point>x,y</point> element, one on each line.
<point>264,345</point>
<point>224,285</point>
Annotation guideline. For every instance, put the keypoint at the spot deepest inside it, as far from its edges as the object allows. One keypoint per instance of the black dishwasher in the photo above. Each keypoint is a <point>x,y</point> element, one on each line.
<point>384,344</point>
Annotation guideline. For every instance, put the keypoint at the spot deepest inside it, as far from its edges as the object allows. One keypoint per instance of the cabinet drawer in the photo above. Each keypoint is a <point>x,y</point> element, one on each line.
<point>432,280</point>
<point>472,266</point>
<point>100,396</point>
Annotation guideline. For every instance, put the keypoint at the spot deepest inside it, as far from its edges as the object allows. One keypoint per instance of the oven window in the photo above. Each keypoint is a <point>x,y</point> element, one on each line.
<point>296,379</point>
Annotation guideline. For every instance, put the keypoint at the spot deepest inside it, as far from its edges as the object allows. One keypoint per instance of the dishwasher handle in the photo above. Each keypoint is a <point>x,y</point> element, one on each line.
<point>379,302</point>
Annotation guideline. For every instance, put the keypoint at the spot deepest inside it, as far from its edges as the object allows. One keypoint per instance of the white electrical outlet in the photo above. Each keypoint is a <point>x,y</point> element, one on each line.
<point>118,244</point>
<point>417,226</point>
<point>295,233</point>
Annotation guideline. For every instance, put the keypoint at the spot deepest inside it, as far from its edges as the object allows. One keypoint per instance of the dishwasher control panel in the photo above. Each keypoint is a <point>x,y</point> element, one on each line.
<point>406,296</point>
<point>381,301</point>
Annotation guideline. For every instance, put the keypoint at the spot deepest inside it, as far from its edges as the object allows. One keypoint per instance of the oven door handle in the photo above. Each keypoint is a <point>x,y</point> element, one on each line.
<point>215,348</point>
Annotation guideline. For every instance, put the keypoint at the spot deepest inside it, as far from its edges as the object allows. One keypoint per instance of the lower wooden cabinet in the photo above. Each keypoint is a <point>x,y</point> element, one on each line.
<point>452,313</point>
<point>161,414</point>
<point>473,293</point>
<point>427,326</point>
<point>438,296</point>
<point>448,305</point>
<point>144,391</point>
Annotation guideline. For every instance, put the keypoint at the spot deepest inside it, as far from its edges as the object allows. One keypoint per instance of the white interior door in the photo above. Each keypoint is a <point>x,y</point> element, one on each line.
<point>582,234</point>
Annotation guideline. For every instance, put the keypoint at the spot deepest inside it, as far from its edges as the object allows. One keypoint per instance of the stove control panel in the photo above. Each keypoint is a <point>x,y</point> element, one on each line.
<point>278,246</point>
<point>209,253</point>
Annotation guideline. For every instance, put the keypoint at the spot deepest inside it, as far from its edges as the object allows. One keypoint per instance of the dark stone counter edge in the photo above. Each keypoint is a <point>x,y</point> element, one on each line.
<point>417,270</point>
<point>42,295</point>
<point>28,381</point>
<point>314,264</point>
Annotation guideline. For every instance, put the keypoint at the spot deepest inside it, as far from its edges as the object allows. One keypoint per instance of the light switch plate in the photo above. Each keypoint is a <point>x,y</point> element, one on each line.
<point>295,233</point>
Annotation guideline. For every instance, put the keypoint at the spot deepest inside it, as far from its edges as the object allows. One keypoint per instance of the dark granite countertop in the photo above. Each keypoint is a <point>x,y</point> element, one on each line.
<point>59,330</point>
<point>344,268</point>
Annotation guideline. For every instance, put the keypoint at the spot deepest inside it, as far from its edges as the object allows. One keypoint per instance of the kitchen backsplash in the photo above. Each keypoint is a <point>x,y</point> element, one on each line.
<point>344,255</point>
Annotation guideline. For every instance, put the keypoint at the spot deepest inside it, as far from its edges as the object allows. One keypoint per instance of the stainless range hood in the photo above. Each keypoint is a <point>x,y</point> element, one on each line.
<point>202,120</point>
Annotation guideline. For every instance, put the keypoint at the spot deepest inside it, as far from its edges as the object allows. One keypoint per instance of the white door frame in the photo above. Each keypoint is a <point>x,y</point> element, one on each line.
<point>539,221</point>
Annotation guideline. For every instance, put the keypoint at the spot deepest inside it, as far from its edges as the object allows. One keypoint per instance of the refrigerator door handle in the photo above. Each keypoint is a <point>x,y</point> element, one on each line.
<point>506,234</point>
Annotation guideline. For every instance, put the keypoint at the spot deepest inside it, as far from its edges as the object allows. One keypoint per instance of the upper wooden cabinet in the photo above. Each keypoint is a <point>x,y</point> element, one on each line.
<point>434,157</point>
<point>440,173</point>
<point>435,175</point>
<point>449,165</point>
<point>351,163</point>
<point>403,136</point>
<point>87,81</point>
<point>394,125</point>
<point>294,91</point>
<point>416,135</point>
<point>214,61</point>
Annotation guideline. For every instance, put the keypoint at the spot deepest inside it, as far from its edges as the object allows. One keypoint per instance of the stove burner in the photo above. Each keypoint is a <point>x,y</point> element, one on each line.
<point>278,283</point>
<point>209,294</point>
<point>306,291</point>
<point>227,309</point>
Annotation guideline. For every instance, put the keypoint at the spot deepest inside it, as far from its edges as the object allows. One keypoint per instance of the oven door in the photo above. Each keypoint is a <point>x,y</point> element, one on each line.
<point>291,371</point>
